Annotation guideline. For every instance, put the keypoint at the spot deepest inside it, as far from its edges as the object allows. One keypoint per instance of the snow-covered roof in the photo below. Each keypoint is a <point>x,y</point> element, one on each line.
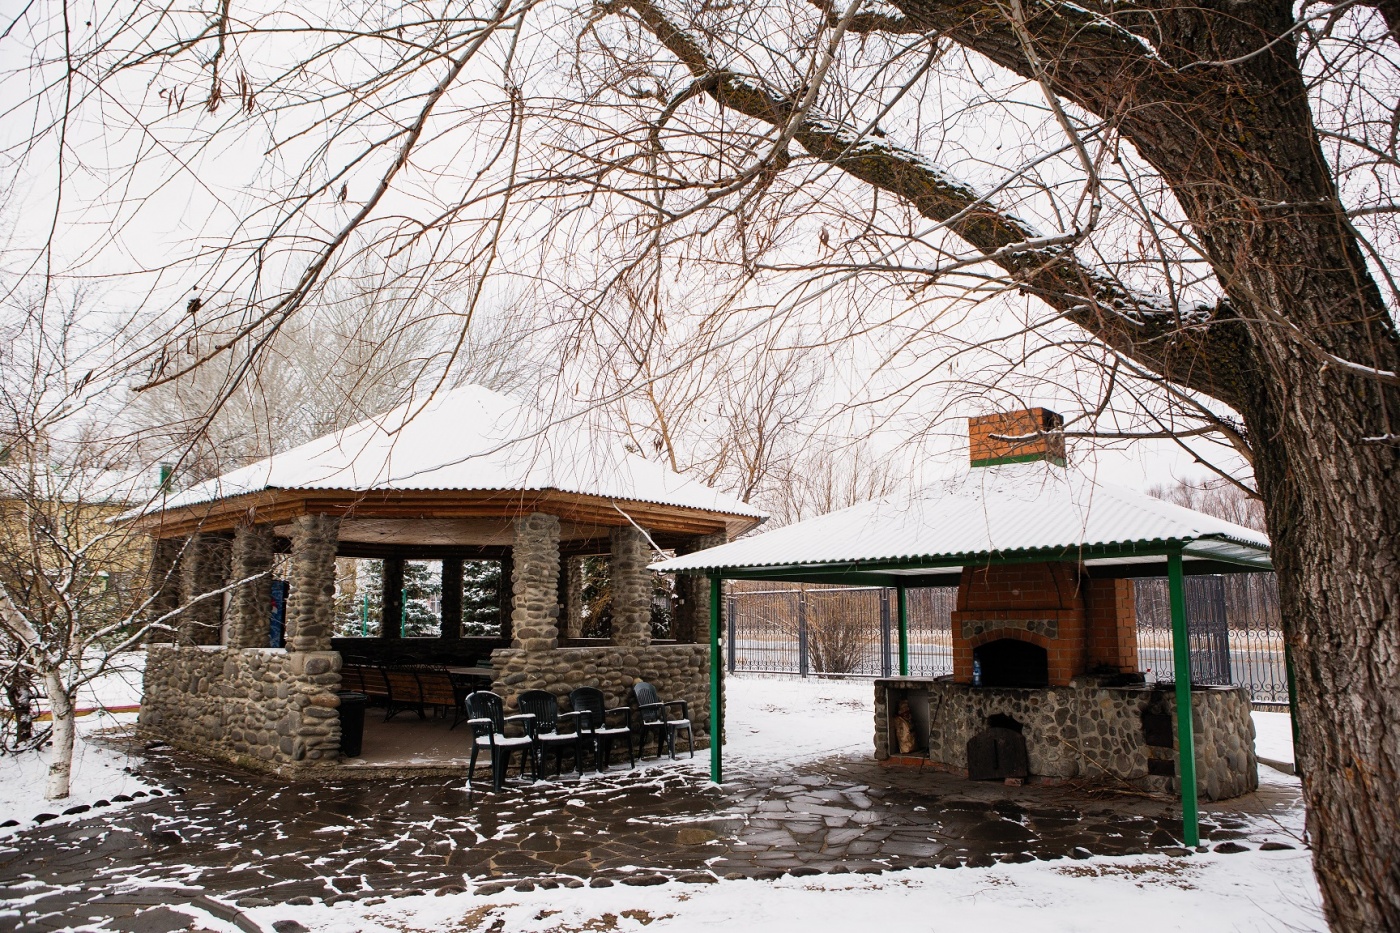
<point>993,512</point>
<point>468,439</point>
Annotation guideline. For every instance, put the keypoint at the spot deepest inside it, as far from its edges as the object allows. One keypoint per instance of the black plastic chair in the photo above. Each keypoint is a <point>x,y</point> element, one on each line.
<point>601,732</point>
<point>655,718</point>
<point>549,723</point>
<point>487,719</point>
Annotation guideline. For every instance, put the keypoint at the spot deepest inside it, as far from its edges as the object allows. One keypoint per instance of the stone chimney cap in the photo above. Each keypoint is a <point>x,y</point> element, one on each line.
<point>1016,437</point>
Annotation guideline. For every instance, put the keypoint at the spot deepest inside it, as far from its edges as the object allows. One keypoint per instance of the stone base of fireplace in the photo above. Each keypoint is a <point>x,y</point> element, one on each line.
<point>1085,731</point>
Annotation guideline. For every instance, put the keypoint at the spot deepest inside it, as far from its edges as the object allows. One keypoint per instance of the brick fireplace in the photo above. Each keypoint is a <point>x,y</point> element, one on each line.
<point>1045,683</point>
<point>1081,624</point>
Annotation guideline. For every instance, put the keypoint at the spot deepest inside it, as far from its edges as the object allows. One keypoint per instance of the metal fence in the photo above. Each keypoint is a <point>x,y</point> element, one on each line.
<point>838,631</point>
<point>1235,628</point>
<point>852,631</point>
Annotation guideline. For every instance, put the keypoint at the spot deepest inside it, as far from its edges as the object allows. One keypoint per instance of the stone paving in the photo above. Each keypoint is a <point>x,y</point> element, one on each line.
<point>252,840</point>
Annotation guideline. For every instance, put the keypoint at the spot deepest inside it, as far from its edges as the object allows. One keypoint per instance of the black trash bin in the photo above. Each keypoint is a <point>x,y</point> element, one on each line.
<point>352,722</point>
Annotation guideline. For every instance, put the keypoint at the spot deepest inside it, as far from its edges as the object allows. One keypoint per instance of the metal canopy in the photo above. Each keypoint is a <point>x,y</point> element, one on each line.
<point>1006,514</point>
<point>1020,513</point>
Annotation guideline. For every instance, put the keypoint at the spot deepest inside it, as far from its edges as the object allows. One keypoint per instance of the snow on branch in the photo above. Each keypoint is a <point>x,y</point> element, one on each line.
<point>1140,326</point>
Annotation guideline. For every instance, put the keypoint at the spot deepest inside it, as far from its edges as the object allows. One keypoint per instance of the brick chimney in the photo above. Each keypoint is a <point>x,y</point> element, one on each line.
<point>986,450</point>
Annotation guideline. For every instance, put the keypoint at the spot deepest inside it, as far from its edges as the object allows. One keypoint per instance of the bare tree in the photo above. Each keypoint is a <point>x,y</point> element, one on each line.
<point>74,599</point>
<point>354,355</point>
<point>1177,219</point>
<point>1214,497</point>
<point>828,477</point>
<point>1205,262</point>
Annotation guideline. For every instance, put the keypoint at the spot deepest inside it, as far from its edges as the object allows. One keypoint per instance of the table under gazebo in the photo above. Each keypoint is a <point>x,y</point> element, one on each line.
<point>1044,637</point>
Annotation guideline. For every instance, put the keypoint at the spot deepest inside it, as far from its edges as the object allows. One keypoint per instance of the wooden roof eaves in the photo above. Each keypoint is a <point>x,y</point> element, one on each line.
<point>275,506</point>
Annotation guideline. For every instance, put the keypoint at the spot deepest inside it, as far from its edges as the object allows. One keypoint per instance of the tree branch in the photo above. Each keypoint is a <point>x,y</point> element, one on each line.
<point>1145,328</point>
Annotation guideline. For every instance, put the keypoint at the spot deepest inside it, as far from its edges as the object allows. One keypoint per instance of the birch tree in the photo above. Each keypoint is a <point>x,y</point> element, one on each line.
<point>74,595</point>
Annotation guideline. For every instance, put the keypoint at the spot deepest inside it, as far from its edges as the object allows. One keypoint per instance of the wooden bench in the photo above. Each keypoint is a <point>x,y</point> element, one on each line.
<point>418,688</point>
<point>365,679</point>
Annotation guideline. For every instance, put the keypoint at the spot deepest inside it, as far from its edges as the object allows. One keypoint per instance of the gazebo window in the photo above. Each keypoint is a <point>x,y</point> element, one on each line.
<point>596,611</point>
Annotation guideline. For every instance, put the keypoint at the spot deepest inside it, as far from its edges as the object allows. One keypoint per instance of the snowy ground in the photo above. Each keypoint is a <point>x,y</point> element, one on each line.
<point>1252,891</point>
<point>764,733</point>
<point>1260,892</point>
<point>1273,736</point>
<point>99,774</point>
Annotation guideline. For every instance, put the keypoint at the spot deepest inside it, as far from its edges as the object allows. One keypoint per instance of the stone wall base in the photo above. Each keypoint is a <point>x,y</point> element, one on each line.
<point>1081,732</point>
<point>248,705</point>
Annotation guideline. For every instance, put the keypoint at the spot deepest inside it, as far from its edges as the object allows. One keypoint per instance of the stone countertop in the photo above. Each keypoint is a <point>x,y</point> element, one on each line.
<point>912,681</point>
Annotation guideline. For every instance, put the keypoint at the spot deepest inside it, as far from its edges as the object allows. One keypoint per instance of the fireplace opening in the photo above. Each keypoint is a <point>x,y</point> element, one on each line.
<point>998,752</point>
<point>1010,662</point>
<point>1003,721</point>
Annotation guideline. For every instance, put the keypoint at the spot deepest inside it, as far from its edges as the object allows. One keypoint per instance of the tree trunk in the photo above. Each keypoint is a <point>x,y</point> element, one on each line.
<point>61,766</point>
<point>22,703</point>
<point>1333,505</point>
<point>1239,149</point>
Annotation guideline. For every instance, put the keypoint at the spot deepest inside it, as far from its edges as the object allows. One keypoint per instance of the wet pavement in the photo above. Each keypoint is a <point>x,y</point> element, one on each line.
<point>251,840</point>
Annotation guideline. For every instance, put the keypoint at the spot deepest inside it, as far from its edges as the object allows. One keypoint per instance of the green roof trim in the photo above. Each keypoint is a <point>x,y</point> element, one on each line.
<point>1019,458</point>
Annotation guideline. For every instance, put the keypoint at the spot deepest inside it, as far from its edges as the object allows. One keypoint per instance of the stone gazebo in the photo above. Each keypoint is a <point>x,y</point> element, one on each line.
<point>468,475</point>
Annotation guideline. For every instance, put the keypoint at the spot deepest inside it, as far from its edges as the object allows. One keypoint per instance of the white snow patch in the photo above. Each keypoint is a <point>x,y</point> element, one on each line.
<point>774,723</point>
<point>99,773</point>
<point>1273,736</point>
<point>1257,892</point>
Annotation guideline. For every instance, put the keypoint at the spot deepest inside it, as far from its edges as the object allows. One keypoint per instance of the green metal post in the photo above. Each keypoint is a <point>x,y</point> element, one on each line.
<point>1185,734</point>
<point>1292,705</point>
<point>716,708</point>
<point>364,617</point>
<point>902,598</point>
<point>403,610</point>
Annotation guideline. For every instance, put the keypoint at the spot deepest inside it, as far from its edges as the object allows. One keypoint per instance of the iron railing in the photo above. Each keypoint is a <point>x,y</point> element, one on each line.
<point>838,631</point>
<point>1235,627</point>
<point>1236,635</point>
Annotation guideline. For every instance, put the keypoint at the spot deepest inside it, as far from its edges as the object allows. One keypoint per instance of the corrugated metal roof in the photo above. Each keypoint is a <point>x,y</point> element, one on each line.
<point>469,439</point>
<point>986,513</point>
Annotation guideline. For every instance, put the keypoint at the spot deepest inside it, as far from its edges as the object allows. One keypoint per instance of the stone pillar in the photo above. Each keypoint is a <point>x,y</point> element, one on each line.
<point>505,596</point>
<point>250,605</point>
<point>451,626</point>
<point>692,616</point>
<point>391,603</point>
<point>164,586</point>
<point>204,568</point>
<point>631,587</point>
<point>573,603</point>
<point>535,583</point>
<point>311,605</point>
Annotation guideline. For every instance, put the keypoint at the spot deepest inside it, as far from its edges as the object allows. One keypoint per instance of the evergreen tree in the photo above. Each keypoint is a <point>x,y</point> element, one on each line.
<point>481,611</point>
<point>597,600</point>
<point>352,620</point>
<point>422,585</point>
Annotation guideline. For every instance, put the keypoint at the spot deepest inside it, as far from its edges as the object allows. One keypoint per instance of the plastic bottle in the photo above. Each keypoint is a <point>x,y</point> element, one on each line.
<point>976,672</point>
